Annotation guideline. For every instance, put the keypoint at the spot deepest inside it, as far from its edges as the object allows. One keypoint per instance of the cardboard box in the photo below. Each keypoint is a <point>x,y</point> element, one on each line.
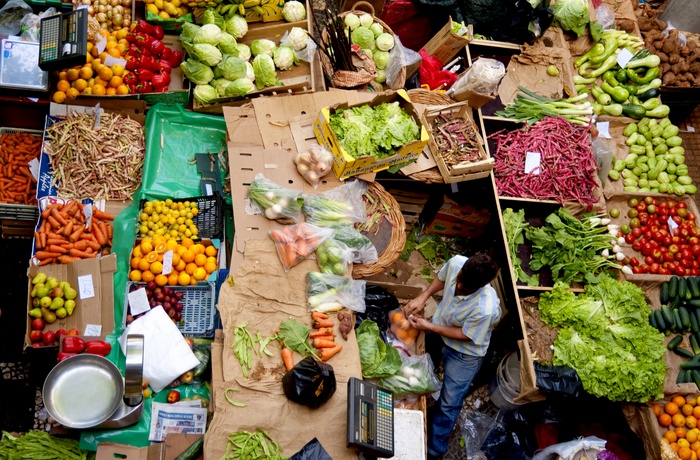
<point>174,445</point>
<point>94,307</point>
<point>455,220</point>
<point>446,44</point>
<point>460,172</point>
<point>344,165</point>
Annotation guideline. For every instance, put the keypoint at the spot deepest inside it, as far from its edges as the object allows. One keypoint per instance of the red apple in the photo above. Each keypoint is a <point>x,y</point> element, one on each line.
<point>37,345</point>
<point>38,324</point>
<point>48,337</point>
<point>35,336</point>
<point>60,333</point>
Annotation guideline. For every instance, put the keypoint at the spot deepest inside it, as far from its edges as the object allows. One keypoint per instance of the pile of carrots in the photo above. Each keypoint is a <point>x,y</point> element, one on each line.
<point>17,185</point>
<point>323,340</point>
<point>295,243</point>
<point>63,236</point>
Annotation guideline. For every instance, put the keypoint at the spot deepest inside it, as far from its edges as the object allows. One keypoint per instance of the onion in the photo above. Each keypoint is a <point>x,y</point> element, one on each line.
<point>617,248</point>
<point>302,168</point>
<point>277,209</point>
<point>118,20</point>
<point>322,167</point>
<point>621,240</point>
<point>283,202</point>
<point>269,196</point>
<point>305,157</point>
<point>91,10</point>
<point>605,253</point>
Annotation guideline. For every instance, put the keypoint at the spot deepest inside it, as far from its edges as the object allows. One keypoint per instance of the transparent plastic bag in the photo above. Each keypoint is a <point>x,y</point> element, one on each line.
<point>295,243</point>
<point>341,205</point>
<point>401,328</point>
<point>573,450</point>
<point>273,201</point>
<point>682,39</point>
<point>604,157</point>
<point>314,163</point>
<point>415,378</point>
<point>31,25</point>
<point>332,292</point>
<point>399,57</point>
<point>482,77</point>
<point>11,16</point>
<point>475,426</point>
<point>605,16</point>
<point>363,250</point>
<point>308,53</point>
<point>333,257</point>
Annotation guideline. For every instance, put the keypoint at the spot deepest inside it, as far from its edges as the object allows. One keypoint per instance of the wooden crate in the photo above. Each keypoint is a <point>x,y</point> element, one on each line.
<point>411,204</point>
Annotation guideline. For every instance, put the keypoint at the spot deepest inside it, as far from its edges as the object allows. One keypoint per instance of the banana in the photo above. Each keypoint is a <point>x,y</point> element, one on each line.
<point>251,3</point>
<point>198,12</point>
<point>258,9</point>
<point>241,9</point>
<point>211,3</point>
<point>225,8</point>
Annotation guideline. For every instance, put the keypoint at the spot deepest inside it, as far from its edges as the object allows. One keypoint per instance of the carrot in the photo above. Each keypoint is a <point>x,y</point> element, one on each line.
<point>80,245</point>
<point>92,245</point>
<point>110,232</point>
<point>319,315</point>
<point>81,254</point>
<point>327,353</point>
<point>47,261</point>
<point>325,332</point>
<point>67,259</point>
<point>102,215</point>
<point>57,215</point>
<point>69,208</point>
<point>75,236</point>
<point>53,222</point>
<point>37,240</point>
<point>46,255</point>
<point>55,241</point>
<point>42,237</point>
<point>277,236</point>
<point>45,213</point>
<point>54,248</point>
<point>68,229</point>
<point>288,359</point>
<point>324,343</point>
<point>97,232</point>
<point>103,229</point>
<point>321,323</point>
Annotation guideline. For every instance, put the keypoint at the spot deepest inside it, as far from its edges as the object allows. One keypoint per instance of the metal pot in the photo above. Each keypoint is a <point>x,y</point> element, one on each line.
<point>88,391</point>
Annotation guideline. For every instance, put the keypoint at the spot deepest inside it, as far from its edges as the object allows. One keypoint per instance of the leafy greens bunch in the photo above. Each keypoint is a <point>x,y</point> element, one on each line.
<point>515,225</point>
<point>606,337</point>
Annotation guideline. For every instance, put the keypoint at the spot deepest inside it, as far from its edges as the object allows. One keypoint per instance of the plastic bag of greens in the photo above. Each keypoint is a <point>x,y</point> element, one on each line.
<point>295,243</point>
<point>331,293</point>
<point>273,201</point>
<point>304,46</point>
<point>415,378</point>
<point>341,205</point>
<point>362,249</point>
<point>11,16</point>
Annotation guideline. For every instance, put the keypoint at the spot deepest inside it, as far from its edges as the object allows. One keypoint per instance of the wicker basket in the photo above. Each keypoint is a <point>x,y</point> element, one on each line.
<point>425,97</point>
<point>398,236</point>
<point>362,7</point>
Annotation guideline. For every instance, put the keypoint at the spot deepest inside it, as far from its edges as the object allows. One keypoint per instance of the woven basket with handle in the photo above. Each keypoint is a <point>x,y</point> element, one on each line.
<point>359,8</point>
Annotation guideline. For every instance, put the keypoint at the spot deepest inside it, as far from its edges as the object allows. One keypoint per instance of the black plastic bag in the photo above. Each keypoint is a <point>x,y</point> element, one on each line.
<point>313,450</point>
<point>310,382</point>
<point>562,380</point>
<point>379,302</point>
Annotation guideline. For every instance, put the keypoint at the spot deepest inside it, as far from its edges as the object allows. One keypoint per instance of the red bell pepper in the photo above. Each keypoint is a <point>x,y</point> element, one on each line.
<point>160,80</point>
<point>131,78</point>
<point>143,40</point>
<point>156,47</point>
<point>62,356</point>
<point>164,66</point>
<point>97,347</point>
<point>132,87</point>
<point>166,53</point>
<point>144,87</point>
<point>145,75</point>
<point>143,26</point>
<point>158,32</point>
<point>175,58</point>
<point>134,50</point>
<point>132,62</point>
<point>148,63</point>
<point>72,344</point>
<point>162,89</point>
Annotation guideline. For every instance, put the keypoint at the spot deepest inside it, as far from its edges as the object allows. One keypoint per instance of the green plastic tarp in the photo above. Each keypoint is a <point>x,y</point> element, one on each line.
<point>173,136</point>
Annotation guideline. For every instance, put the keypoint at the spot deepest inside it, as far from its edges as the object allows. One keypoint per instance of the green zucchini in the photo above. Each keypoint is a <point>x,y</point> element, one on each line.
<point>693,287</point>
<point>673,287</point>
<point>685,317</point>
<point>677,321</point>
<point>694,325</point>
<point>674,342</point>
<point>634,111</point>
<point>684,352</point>
<point>682,373</point>
<point>692,363</point>
<point>694,344</point>
<point>648,94</point>
<point>682,287</point>
<point>663,294</point>
<point>193,451</point>
<point>660,322</point>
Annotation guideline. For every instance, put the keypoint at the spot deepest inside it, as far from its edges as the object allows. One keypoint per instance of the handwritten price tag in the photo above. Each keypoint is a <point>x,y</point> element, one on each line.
<point>85,287</point>
<point>138,302</point>
<point>93,330</point>
<point>672,226</point>
<point>168,262</point>
<point>603,129</point>
<point>532,163</point>
<point>624,58</point>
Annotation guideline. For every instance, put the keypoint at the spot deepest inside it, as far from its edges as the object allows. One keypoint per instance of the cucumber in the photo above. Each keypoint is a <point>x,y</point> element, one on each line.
<point>193,451</point>
<point>675,302</point>
<point>692,363</point>
<point>677,320</point>
<point>683,374</point>
<point>684,352</point>
<point>663,296</point>
<point>685,317</point>
<point>694,325</point>
<point>674,342</point>
<point>693,287</point>
<point>695,374</point>
<point>682,287</point>
<point>652,321</point>
<point>673,287</point>
<point>694,303</point>
<point>660,322</point>
<point>694,344</point>
<point>668,315</point>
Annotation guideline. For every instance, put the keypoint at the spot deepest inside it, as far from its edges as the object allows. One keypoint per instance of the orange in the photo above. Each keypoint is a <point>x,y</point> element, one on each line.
<point>104,32</point>
<point>695,445</point>
<point>87,91</point>
<point>117,70</point>
<point>80,84</point>
<point>200,260</point>
<point>210,267</point>
<point>696,411</point>
<point>190,268</point>
<point>103,56</point>
<point>687,409</point>
<point>135,262</point>
<point>671,408</point>
<point>59,97</point>
<point>122,89</point>
<point>152,257</point>
<point>678,420</point>
<point>96,64</point>
<point>692,435</point>
<point>678,400</point>
<point>181,250</point>
<point>691,400</point>
<point>693,456</point>
<point>115,81</point>
<point>180,266</point>
<point>675,447</point>
<point>665,420</point>
<point>146,245</point>
<point>137,252</point>
<point>160,257</point>
<point>200,248</point>
<point>183,279</point>
<point>172,278</point>
<point>111,91</point>
<point>63,85</point>
<point>105,73</point>
<point>188,256</point>
<point>680,432</point>
<point>199,274</point>
<point>114,51</point>
<point>98,90</point>
<point>187,242</point>
<point>210,251</point>
<point>63,75</point>
<point>161,247</point>
<point>135,275</point>
<point>72,93</point>
<point>671,436</point>
<point>691,422</point>
<point>72,74</point>
<point>148,276</point>
<point>156,268</point>
<point>193,282</point>
<point>685,453</point>
<point>683,443</point>
<point>161,280</point>
<point>176,259</point>
<point>86,72</point>
<point>658,410</point>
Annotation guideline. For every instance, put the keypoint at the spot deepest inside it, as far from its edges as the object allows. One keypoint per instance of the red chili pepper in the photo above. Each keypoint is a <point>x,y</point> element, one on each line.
<point>164,66</point>
<point>98,347</point>
<point>166,53</point>
<point>72,344</point>
<point>159,80</point>
<point>143,26</point>
<point>62,356</point>
<point>145,75</point>
<point>132,63</point>
<point>173,396</point>
<point>175,58</point>
<point>158,32</point>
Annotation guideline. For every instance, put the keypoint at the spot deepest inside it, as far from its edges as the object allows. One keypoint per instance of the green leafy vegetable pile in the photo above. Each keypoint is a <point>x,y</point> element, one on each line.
<point>375,131</point>
<point>376,357</point>
<point>515,225</point>
<point>606,337</point>
<point>295,336</point>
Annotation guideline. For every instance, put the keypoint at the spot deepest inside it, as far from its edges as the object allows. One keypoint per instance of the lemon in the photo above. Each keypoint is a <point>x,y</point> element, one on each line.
<point>151,8</point>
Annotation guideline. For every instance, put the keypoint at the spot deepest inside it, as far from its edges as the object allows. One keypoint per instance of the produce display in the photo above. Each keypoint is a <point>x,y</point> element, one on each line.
<point>66,235</point>
<point>606,337</point>
<point>401,328</point>
<point>172,301</point>
<point>165,9</point>
<point>172,219</point>
<point>17,149</point>
<point>515,226</point>
<point>51,300</point>
<point>567,169</point>
<point>456,139</point>
<point>328,292</point>
<point>679,417</point>
<point>372,38</point>
<point>190,262</point>
<point>656,160</point>
<point>323,338</point>
<point>534,107</point>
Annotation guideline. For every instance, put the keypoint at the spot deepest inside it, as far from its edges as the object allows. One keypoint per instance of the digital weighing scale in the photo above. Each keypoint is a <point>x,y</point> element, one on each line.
<point>19,68</point>
<point>63,41</point>
<point>370,419</point>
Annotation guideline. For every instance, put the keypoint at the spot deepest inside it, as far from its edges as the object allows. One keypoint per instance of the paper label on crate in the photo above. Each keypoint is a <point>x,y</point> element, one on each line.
<point>532,163</point>
<point>672,226</point>
<point>85,287</point>
<point>208,189</point>
<point>87,212</point>
<point>102,44</point>
<point>34,169</point>
<point>111,60</point>
<point>168,262</point>
<point>138,302</point>
<point>82,7</point>
<point>690,129</point>
<point>454,188</point>
<point>33,99</point>
<point>624,58</point>
<point>93,330</point>
<point>603,129</point>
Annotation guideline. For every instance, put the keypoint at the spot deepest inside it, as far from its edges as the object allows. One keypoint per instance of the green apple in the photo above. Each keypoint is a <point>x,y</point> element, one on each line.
<point>61,313</point>
<point>70,293</point>
<point>45,301</point>
<point>51,282</point>
<point>69,306</point>
<point>56,303</point>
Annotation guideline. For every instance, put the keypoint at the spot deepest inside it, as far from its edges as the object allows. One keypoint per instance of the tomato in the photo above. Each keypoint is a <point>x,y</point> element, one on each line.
<point>658,237</point>
<point>694,272</point>
<point>641,207</point>
<point>649,260</point>
<point>637,232</point>
<point>671,266</point>
<point>648,234</point>
<point>682,205</point>
<point>637,246</point>
<point>695,249</point>
<point>657,254</point>
<point>654,268</point>
<point>632,202</point>
<point>636,270</point>
<point>690,216</point>
<point>634,223</point>
<point>632,213</point>
<point>695,231</point>
<point>634,262</point>
<point>672,211</point>
<point>678,220</point>
<point>652,209</point>
<point>643,218</point>
<point>667,241</point>
<point>648,200</point>
<point>663,271</point>
<point>678,256</point>
<point>675,240</point>
<point>647,249</point>
<point>673,248</point>
<point>684,233</point>
<point>645,268</point>
<point>682,212</point>
<point>629,238</point>
<point>686,254</point>
<point>680,271</point>
<point>685,263</point>
<point>663,205</point>
<point>668,256</point>
<point>693,240</point>
<point>695,264</point>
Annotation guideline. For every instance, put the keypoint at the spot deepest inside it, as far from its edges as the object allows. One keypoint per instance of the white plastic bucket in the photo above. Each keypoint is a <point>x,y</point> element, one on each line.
<point>505,386</point>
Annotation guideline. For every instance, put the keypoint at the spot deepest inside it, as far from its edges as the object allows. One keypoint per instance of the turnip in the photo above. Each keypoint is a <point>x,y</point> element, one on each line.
<point>620,256</point>
<point>270,196</point>
<point>270,213</point>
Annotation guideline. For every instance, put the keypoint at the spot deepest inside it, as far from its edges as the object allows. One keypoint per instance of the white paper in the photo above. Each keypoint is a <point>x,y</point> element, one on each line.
<point>93,330</point>
<point>690,129</point>
<point>208,189</point>
<point>33,99</point>
<point>532,163</point>
<point>172,418</point>
<point>138,302</point>
<point>87,212</point>
<point>168,262</point>
<point>111,60</point>
<point>102,44</point>
<point>624,58</point>
<point>34,169</point>
<point>86,289</point>
<point>454,188</point>
<point>672,226</point>
<point>166,355</point>
<point>603,129</point>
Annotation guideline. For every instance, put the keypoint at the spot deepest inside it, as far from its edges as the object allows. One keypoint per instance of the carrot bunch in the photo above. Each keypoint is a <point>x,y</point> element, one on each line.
<point>324,337</point>
<point>17,185</point>
<point>295,243</point>
<point>63,236</point>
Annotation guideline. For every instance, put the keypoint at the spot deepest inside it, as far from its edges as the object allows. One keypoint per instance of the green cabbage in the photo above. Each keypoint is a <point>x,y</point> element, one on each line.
<point>237,26</point>
<point>571,15</point>
<point>250,71</point>
<point>189,30</point>
<point>352,21</point>
<point>240,87</point>
<point>207,54</point>
<point>284,57</point>
<point>385,42</point>
<point>197,72</point>
<point>265,74</point>
<point>376,357</point>
<point>297,38</point>
<point>376,29</point>
<point>262,46</point>
<point>381,59</point>
<point>208,34</point>
<point>232,68</point>
<point>294,11</point>
<point>366,20</point>
<point>212,17</point>
<point>227,44</point>
<point>221,84</point>
<point>381,76</point>
<point>363,37</point>
<point>243,52</point>
<point>204,93</point>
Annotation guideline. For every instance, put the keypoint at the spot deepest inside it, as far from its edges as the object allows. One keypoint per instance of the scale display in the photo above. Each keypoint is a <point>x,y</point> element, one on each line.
<point>63,41</point>
<point>370,418</point>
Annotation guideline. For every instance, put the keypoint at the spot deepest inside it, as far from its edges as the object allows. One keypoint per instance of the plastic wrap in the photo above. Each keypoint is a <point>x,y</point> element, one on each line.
<point>314,163</point>
<point>11,16</point>
<point>415,378</point>
<point>401,328</point>
<point>333,257</point>
<point>474,427</point>
<point>399,57</point>
<point>378,302</point>
<point>605,16</point>
<point>341,205</point>
<point>482,77</point>
<point>31,25</point>
<point>324,291</point>
<point>362,249</point>
<point>297,242</point>
<point>604,157</point>
<point>273,201</point>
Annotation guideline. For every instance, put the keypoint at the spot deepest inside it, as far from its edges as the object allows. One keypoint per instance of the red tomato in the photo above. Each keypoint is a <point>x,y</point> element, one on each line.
<point>695,249</point>
<point>694,272</point>
<point>693,240</point>
<point>686,254</point>
<point>636,270</point>
<point>678,220</point>
<point>671,267</point>
<point>629,238</point>
<point>663,271</point>
<point>663,212</point>
<point>675,240</point>
<point>645,268</point>
<point>634,262</point>
<point>690,216</point>
<point>641,206</point>
<point>663,205</point>
<point>668,256</point>
<point>658,237</point>
<point>673,248</point>
<point>657,255</point>
<point>654,268</point>
<point>685,263</point>
<point>672,211</point>
<point>637,232</point>
<point>654,244</point>
<point>667,241</point>
<point>680,271</point>
<point>682,205</point>
<point>637,246</point>
<point>643,218</point>
<point>648,260</point>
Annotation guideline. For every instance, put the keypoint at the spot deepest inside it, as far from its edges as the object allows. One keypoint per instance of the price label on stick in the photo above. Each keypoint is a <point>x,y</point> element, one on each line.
<point>85,287</point>
<point>532,163</point>
<point>672,226</point>
<point>168,262</point>
<point>624,58</point>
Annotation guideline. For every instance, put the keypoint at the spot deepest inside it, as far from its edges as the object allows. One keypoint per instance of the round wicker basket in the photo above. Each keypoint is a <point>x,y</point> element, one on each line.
<point>425,97</point>
<point>398,235</point>
<point>362,7</point>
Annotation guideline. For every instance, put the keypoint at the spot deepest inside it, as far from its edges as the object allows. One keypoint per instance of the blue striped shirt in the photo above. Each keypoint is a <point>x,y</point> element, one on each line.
<point>476,313</point>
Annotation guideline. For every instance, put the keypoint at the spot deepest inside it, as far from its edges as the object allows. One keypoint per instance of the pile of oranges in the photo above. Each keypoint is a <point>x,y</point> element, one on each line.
<point>680,416</point>
<point>94,77</point>
<point>191,262</point>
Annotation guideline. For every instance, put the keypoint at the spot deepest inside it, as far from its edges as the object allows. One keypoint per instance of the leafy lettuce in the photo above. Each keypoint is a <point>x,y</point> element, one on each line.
<point>572,15</point>
<point>376,357</point>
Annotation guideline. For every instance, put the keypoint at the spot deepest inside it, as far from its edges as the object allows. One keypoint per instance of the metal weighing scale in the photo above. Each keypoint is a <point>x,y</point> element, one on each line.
<point>19,67</point>
<point>370,419</point>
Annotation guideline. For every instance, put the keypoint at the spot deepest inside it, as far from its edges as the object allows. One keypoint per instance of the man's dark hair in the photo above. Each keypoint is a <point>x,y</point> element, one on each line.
<point>479,270</point>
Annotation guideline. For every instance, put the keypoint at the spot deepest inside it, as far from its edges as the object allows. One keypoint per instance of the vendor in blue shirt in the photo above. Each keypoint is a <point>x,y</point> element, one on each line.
<point>464,319</point>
